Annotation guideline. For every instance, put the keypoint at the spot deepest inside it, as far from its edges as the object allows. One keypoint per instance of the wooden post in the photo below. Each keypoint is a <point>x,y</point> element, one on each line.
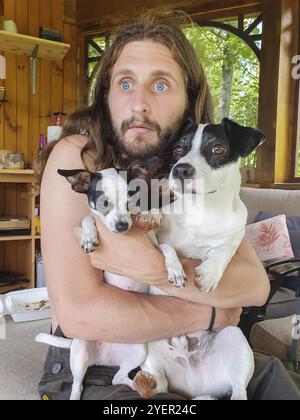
<point>286,90</point>
<point>269,74</point>
<point>277,90</point>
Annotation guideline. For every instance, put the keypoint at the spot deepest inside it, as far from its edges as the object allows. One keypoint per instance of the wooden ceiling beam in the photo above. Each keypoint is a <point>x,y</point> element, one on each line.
<point>105,15</point>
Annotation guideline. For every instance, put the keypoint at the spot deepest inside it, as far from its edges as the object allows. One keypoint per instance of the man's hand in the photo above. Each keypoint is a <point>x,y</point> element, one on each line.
<point>130,255</point>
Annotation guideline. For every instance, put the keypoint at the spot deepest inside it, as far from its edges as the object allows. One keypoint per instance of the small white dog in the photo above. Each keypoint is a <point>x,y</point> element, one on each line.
<point>203,363</point>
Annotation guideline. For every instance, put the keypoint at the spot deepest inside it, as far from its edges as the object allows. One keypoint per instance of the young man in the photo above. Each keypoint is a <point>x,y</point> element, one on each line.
<point>148,82</point>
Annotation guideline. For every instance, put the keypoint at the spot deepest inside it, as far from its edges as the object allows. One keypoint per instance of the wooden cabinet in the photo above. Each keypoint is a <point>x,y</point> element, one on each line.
<point>17,253</point>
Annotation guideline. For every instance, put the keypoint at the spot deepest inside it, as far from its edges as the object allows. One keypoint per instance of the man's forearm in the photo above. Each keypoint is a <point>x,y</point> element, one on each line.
<point>115,315</point>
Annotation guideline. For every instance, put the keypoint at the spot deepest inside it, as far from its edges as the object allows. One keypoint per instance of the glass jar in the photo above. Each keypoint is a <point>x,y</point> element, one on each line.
<point>14,161</point>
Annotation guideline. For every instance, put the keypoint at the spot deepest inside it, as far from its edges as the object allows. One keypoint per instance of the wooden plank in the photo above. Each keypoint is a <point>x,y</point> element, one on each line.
<point>10,132</point>
<point>70,11</point>
<point>114,12</point>
<point>22,83</point>
<point>11,106</point>
<point>70,70</point>
<point>24,44</point>
<point>57,81</point>
<point>286,90</point>
<point>34,100</point>
<point>267,113</point>
<point>45,78</point>
<point>2,125</point>
<point>14,238</point>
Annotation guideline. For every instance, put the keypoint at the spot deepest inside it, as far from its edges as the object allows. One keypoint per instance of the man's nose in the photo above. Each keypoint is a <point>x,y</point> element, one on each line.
<point>140,103</point>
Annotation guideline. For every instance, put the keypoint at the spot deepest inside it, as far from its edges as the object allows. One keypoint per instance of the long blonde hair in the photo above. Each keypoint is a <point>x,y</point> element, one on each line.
<point>95,120</point>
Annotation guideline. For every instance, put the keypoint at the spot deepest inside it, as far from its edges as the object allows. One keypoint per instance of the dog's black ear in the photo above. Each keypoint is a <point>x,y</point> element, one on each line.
<point>243,140</point>
<point>80,179</point>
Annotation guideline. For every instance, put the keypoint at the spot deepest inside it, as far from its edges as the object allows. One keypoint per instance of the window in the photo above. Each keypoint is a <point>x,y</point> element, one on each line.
<point>95,48</point>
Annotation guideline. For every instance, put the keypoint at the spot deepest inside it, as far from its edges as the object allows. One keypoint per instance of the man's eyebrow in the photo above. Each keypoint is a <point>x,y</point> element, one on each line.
<point>163,73</point>
<point>123,72</point>
<point>155,73</point>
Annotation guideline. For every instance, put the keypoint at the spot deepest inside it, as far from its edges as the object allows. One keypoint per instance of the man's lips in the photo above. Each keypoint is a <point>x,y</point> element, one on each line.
<point>140,129</point>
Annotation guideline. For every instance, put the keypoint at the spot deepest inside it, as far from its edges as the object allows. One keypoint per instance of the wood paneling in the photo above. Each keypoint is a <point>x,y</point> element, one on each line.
<point>111,13</point>
<point>25,116</point>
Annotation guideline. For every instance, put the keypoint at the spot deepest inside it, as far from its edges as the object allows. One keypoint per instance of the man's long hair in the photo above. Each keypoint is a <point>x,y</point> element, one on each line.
<point>95,120</point>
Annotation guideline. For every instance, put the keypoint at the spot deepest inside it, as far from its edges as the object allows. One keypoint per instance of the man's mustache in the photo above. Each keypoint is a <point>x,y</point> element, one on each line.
<point>150,124</point>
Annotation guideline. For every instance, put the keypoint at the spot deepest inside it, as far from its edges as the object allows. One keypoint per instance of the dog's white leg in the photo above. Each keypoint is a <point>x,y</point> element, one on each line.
<point>132,357</point>
<point>204,398</point>
<point>80,360</point>
<point>210,271</point>
<point>152,380</point>
<point>176,273</point>
<point>239,394</point>
<point>89,236</point>
<point>122,378</point>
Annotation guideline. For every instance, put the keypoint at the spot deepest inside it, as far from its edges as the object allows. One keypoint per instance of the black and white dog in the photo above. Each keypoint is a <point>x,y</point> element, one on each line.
<point>202,363</point>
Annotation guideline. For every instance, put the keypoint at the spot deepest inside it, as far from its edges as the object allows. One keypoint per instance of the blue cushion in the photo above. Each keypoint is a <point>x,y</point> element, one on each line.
<point>293,225</point>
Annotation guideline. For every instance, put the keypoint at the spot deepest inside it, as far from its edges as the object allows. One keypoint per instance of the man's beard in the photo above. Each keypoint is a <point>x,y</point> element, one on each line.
<point>140,148</point>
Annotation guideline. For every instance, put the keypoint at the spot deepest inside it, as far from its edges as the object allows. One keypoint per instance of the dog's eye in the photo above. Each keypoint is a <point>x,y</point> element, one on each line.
<point>105,204</point>
<point>179,151</point>
<point>218,149</point>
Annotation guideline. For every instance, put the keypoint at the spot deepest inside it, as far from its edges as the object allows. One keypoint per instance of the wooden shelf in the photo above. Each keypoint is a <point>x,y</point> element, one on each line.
<point>17,176</point>
<point>15,238</point>
<point>17,252</point>
<point>24,44</point>
<point>17,171</point>
<point>13,287</point>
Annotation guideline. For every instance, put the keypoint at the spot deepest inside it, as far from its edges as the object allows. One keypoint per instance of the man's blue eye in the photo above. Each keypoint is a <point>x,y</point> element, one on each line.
<point>160,86</point>
<point>126,85</point>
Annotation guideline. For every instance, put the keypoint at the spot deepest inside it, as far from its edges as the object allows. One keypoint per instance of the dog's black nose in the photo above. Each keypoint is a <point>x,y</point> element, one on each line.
<point>183,171</point>
<point>122,227</point>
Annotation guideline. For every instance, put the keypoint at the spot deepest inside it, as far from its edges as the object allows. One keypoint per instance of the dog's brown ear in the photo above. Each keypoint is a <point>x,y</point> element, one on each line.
<point>80,179</point>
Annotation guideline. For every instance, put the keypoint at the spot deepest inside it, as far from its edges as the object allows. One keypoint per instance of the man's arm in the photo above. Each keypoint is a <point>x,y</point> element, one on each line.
<point>84,306</point>
<point>244,282</point>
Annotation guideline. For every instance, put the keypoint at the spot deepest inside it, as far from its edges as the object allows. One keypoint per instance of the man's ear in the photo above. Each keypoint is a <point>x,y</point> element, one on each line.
<point>80,179</point>
<point>243,140</point>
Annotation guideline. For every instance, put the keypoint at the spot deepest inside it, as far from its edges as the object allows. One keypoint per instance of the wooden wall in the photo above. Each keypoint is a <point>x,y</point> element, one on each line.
<point>25,116</point>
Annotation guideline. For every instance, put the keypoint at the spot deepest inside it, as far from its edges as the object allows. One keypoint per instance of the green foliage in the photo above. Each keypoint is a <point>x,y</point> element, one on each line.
<point>216,50</point>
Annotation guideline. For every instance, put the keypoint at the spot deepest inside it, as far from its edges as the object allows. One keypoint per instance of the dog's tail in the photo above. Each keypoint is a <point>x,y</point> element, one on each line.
<point>63,343</point>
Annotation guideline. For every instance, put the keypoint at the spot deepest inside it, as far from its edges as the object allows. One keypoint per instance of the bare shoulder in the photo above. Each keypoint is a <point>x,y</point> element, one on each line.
<point>68,150</point>
<point>56,192</point>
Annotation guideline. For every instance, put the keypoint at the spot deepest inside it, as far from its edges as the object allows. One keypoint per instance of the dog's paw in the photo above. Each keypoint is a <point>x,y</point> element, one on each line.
<point>180,343</point>
<point>89,241</point>
<point>145,384</point>
<point>176,275</point>
<point>207,276</point>
<point>148,221</point>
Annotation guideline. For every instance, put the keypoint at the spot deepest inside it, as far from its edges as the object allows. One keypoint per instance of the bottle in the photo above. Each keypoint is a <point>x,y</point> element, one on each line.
<point>42,144</point>
<point>54,131</point>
